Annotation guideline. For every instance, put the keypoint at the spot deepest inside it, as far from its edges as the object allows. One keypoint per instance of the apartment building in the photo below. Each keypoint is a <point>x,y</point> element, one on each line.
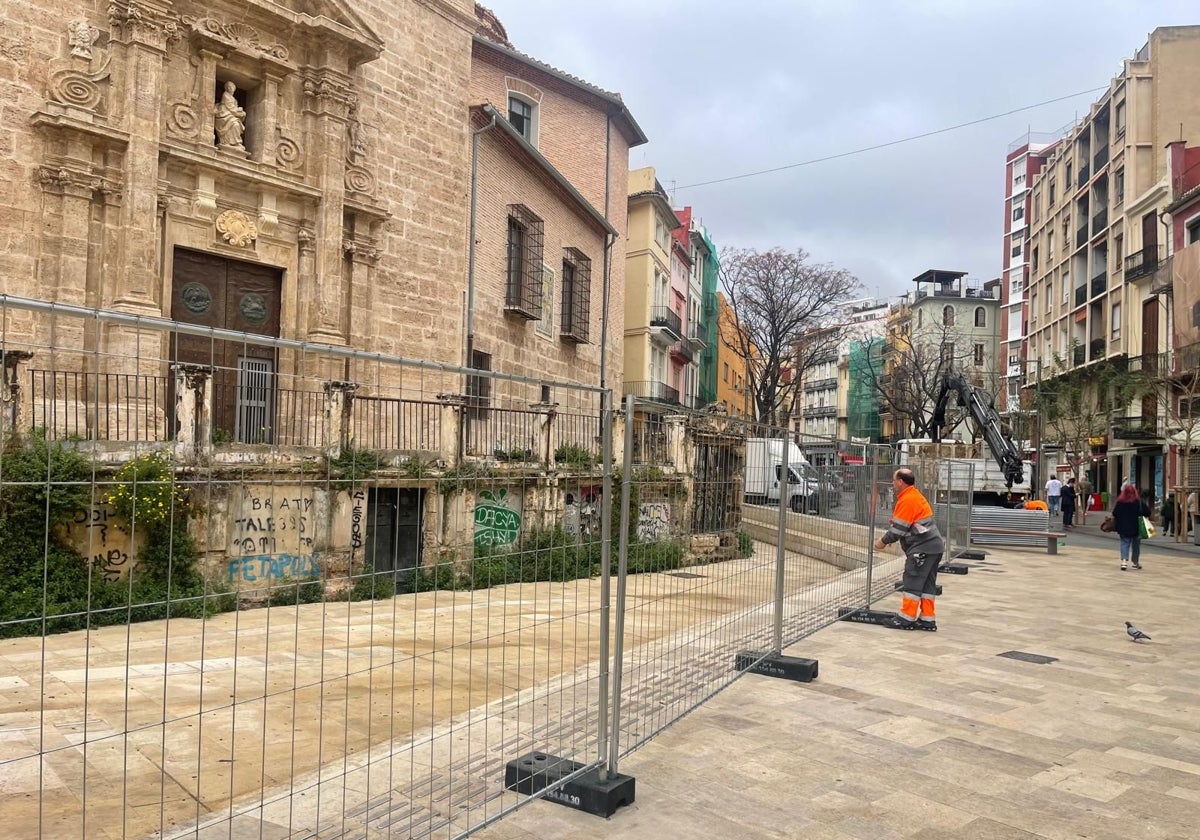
<point>1026,157</point>
<point>655,302</point>
<point>685,356</point>
<point>1097,245</point>
<point>731,391</point>
<point>706,272</point>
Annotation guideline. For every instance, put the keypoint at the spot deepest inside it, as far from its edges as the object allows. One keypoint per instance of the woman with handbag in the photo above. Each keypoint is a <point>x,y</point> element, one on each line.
<point>1127,514</point>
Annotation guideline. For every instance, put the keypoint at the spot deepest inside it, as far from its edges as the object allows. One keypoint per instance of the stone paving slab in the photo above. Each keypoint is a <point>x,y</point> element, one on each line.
<point>909,735</point>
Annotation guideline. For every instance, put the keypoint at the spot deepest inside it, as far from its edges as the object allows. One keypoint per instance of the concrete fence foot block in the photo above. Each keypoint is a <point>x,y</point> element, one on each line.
<point>777,665</point>
<point>533,773</point>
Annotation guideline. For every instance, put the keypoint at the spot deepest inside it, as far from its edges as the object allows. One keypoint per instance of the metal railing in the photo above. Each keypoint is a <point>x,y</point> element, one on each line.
<point>1081,295</point>
<point>1085,175</point>
<point>1099,284</point>
<point>1099,222</point>
<point>1143,262</point>
<point>668,319</point>
<point>390,423</point>
<point>1081,236</point>
<point>652,390</point>
<point>1078,355</point>
<point>1097,349</point>
<point>1101,158</point>
<point>682,350</point>
<point>100,406</point>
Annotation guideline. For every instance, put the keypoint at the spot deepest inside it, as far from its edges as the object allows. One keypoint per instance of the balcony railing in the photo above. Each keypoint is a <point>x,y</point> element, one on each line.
<point>1101,158</point>
<point>1081,236</point>
<point>977,293</point>
<point>821,411</point>
<point>821,384</point>
<point>1097,348</point>
<point>101,406</point>
<point>1143,262</point>
<point>1136,427</point>
<point>710,304</point>
<point>652,390</point>
<point>667,319</point>
<point>682,350</point>
<point>1099,222</point>
<point>1084,175</point>
<point>1081,295</point>
<point>1078,355</point>
<point>698,335</point>
<point>1099,284</point>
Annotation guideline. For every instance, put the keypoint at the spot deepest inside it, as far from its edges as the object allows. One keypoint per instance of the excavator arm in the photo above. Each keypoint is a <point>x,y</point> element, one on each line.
<point>979,405</point>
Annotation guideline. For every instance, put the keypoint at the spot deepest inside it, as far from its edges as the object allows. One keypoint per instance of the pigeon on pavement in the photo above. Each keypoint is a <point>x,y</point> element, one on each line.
<point>1134,633</point>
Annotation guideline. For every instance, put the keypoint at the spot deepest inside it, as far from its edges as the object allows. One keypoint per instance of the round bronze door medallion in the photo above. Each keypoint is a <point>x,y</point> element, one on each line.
<point>254,307</point>
<point>196,298</point>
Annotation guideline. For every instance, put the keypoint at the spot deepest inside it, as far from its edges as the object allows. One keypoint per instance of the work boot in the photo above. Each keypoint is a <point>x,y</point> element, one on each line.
<point>901,623</point>
<point>930,626</point>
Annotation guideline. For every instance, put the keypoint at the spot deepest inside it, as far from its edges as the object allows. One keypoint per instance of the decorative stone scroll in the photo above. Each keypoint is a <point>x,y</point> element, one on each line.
<point>236,228</point>
<point>359,180</point>
<point>239,34</point>
<point>79,89</point>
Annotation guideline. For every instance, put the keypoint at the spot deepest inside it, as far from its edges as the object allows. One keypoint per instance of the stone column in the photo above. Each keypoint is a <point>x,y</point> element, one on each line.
<point>193,413</point>
<point>453,406</point>
<point>338,399</point>
<point>364,256</point>
<point>676,449</point>
<point>547,412</point>
<point>328,99</point>
<point>138,29</point>
<point>15,417</point>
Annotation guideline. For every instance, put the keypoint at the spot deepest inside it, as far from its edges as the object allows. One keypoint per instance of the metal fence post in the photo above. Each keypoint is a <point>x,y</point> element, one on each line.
<point>606,460</point>
<point>873,477</point>
<point>780,547</point>
<point>614,741</point>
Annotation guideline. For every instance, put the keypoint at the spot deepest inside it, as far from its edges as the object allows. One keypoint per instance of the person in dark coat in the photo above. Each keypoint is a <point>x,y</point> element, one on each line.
<point>1067,501</point>
<point>1168,514</point>
<point>1125,515</point>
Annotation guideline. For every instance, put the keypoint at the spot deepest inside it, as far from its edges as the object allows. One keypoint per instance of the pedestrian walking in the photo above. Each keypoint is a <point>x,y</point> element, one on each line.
<point>1191,513</point>
<point>1126,513</point>
<point>1085,499</point>
<point>1053,494</point>
<point>1168,514</point>
<point>913,527</point>
<point>1068,504</point>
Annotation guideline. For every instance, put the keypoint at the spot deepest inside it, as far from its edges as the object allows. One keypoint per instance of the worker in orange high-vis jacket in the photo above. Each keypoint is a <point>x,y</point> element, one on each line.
<point>913,527</point>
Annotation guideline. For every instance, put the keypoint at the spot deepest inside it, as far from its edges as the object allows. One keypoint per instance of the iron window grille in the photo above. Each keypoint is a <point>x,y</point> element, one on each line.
<point>479,388</point>
<point>576,296</point>
<point>523,286</point>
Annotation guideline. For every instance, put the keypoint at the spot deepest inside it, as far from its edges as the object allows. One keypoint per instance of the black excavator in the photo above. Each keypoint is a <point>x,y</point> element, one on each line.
<point>981,408</point>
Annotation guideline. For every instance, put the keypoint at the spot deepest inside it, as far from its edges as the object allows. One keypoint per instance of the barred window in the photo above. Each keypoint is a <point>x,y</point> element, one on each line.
<point>523,285</point>
<point>479,388</point>
<point>576,296</point>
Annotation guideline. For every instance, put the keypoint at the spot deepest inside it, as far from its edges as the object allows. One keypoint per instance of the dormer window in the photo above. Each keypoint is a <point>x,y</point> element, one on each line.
<point>522,114</point>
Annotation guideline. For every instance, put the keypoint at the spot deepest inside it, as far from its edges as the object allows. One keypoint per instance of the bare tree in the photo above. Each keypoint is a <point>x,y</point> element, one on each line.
<point>777,297</point>
<point>909,375</point>
<point>1174,383</point>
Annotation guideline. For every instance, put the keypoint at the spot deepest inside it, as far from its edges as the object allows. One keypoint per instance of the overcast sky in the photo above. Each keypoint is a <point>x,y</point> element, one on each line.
<point>725,88</point>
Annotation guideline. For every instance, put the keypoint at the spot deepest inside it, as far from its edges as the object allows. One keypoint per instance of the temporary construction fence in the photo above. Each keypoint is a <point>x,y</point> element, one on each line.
<point>299,590</point>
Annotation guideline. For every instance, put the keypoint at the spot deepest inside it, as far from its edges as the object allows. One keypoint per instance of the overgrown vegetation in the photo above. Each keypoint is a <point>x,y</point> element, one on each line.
<point>353,464</point>
<point>545,555</point>
<point>745,543</point>
<point>48,587</point>
<point>575,457</point>
<point>460,478</point>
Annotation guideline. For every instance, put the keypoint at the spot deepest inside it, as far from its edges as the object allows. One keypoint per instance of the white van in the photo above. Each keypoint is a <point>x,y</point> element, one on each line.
<point>806,492</point>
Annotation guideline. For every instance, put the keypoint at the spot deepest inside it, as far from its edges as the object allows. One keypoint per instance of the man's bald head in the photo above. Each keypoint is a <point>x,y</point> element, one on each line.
<point>905,476</point>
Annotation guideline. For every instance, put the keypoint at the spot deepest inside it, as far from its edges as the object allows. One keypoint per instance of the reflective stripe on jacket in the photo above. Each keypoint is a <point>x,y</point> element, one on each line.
<point>912,524</point>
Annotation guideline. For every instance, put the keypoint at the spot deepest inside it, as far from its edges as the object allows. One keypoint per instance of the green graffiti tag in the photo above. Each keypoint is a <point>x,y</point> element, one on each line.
<point>496,524</point>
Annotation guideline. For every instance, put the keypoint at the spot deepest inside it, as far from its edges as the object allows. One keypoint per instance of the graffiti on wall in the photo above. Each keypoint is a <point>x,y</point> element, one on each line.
<point>271,537</point>
<point>497,522</point>
<point>654,521</point>
<point>581,513</point>
<point>103,537</point>
<point>358,504</point>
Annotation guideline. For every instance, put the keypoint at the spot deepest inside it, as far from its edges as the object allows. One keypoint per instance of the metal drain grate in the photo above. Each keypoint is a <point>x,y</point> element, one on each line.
<point>685,575</point>
<point>1021,656</point>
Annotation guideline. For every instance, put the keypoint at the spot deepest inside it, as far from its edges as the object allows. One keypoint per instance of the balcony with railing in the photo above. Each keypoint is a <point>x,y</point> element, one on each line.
<point>1099,284</point>
<point>1101,158</point>
<point>1099,222</point>
<point>1136,427</point>
<point>1081,236</point>
<point>1084,175</point>
<point>1144,262</point>
<point>826,384</point>
<point>667,320</point>
<point>652,390</point>
<point>682,350</point>
<point>1081,294</point>
<point>1078,355</point>
<point>974,293</point>
<point>698,335</point>
<point>821,411</point>
<point>1097,349</point>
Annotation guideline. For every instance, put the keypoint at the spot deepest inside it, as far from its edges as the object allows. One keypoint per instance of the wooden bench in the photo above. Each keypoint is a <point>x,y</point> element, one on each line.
<point>1052,537</point>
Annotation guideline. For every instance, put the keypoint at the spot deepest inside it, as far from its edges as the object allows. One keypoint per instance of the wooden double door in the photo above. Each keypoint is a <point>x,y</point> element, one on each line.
<point>213,291</point>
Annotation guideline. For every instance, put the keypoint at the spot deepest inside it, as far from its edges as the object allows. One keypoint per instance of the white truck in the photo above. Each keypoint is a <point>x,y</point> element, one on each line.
<point>960,465</point>
<point>807,492</point>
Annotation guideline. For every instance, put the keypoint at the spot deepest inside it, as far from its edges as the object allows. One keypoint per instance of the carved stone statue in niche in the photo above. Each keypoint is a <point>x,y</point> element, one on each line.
<point>229,120</point>
<point>81,35</point>
<point>358,137</point>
